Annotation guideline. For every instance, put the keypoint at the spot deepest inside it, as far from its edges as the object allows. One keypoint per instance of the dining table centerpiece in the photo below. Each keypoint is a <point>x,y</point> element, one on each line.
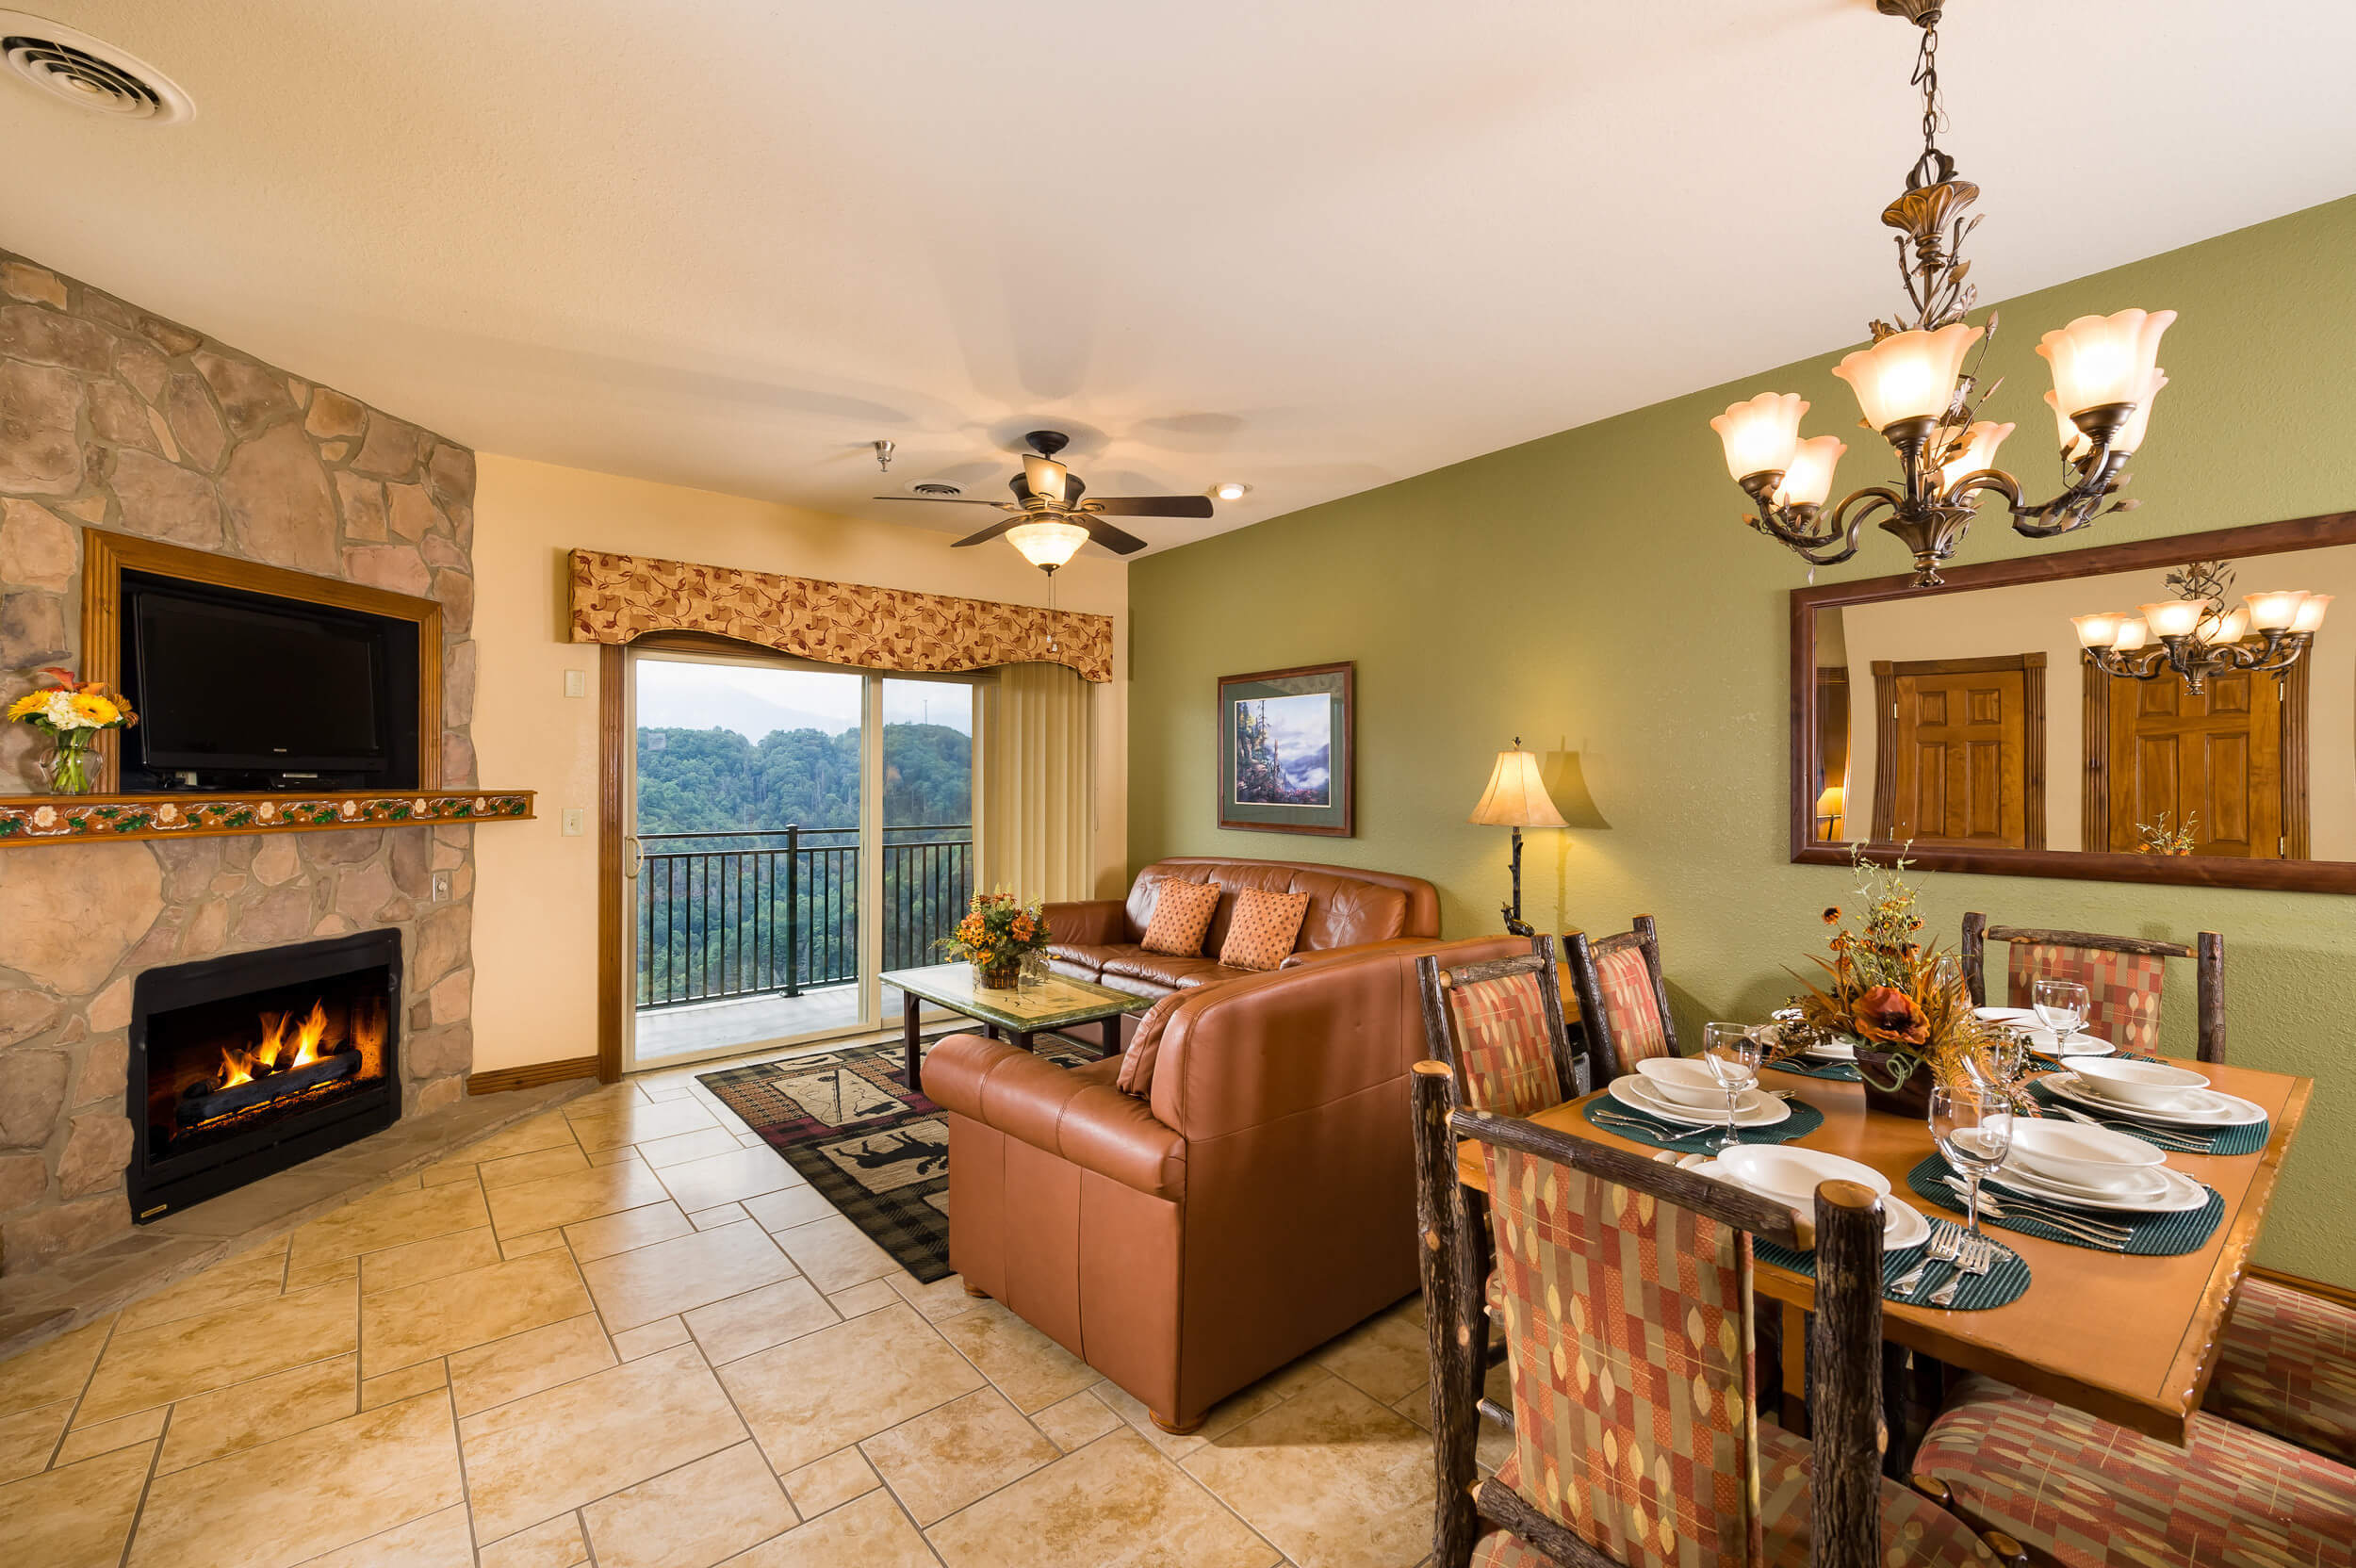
<point>72,713</point>
<point>1898,1000</point>
<point>997,932</point>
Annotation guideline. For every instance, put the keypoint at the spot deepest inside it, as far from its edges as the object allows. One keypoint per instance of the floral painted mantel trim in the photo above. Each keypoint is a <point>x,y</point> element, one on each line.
<point>617,599</point>
<point>28,820</point>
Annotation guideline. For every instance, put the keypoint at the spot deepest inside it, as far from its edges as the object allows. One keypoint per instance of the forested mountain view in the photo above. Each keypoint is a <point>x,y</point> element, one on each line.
<point>736,911</point>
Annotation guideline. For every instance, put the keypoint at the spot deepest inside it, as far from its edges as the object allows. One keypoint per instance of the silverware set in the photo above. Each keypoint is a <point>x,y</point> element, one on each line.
<point>1967,1255</point>
<point>1621,1119</point>
<point>2167,1137</point>
<point>2107,1235</point>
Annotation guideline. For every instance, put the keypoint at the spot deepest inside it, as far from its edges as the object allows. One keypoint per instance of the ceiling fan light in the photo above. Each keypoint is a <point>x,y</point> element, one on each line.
<point>1978,451</point>
<point>1761,434</point>
<point>1045,477</point>
<point>1047,545</point>
<point>2311,612</point>
<point>1809,481</point>
<point>1909,375</point>
<point>2100,361</point>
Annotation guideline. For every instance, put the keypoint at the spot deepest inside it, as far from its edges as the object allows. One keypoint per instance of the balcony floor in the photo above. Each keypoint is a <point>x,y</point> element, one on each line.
<point>702,1028</point>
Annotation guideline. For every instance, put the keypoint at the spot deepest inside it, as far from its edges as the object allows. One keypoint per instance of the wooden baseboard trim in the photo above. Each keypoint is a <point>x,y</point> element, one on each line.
<point>500,1078</point>
<point>2341,1294</point>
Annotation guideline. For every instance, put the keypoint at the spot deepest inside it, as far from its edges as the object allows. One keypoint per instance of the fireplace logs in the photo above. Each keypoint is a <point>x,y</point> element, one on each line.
<point>292,1060</point>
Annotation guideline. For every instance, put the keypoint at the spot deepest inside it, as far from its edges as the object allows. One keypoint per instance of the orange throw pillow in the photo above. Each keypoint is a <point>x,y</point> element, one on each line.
<point>1182,915</point>
<point>1136,1063</point>
<point>1264,929</point>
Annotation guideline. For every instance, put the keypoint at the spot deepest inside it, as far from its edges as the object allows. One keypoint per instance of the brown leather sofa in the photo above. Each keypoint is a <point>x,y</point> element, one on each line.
<point>1100,939</point>
<point>1260,1202</point>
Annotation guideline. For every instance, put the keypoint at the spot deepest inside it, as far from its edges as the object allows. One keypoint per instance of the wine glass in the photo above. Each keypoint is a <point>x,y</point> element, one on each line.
<point>2060,1005</point>
<point>2007,1058</point>
<point>1733,1054</point>
<point>1973,1124</point>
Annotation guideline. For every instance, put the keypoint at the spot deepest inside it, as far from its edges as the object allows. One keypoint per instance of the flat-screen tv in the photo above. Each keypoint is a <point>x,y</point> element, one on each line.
<point>242,690</point>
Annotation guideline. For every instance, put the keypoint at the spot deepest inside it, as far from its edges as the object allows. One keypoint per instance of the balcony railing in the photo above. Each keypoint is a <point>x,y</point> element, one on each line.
<point>776,912</point>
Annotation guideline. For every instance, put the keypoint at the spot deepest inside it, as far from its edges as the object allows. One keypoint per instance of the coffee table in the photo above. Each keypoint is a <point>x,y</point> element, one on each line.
<point>1015,1015</point>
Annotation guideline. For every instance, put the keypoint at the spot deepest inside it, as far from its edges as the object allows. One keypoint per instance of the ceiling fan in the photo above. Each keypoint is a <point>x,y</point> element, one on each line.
<point>1053,515</point>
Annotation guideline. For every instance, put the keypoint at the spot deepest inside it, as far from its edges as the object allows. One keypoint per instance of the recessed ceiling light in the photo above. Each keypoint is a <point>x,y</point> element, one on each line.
<point>1231,491</point>
<point>89,73</point>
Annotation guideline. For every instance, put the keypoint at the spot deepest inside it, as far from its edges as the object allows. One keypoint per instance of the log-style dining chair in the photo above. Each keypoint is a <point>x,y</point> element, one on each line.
<point>1626,1303</point>
<point>1499,1026</point>
<point>2286,1366</point>
<point>2122,974</point>
<point>1623,1005</point>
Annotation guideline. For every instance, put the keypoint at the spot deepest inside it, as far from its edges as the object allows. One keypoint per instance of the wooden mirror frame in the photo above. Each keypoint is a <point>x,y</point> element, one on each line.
<point>2298,533</point>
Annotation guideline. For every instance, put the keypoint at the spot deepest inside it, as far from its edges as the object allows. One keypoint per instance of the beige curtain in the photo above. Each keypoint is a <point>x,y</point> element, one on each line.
<point>1038,800</point>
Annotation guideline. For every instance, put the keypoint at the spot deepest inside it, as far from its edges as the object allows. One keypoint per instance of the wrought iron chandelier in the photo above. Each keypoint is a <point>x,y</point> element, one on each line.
<point>1914,390</point>
<point>2198,637</point>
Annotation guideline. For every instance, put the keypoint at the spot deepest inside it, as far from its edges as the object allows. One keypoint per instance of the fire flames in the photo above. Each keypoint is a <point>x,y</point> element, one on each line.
<point>277,1053</point>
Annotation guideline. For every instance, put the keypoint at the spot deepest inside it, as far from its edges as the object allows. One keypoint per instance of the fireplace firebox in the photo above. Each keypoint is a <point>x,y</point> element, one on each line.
<point>246,1065</point>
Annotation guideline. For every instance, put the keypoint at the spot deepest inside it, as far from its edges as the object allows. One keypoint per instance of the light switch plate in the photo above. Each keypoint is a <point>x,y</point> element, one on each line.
<point>576,683</point>
<point>441,887</point>
<point>575,819</point>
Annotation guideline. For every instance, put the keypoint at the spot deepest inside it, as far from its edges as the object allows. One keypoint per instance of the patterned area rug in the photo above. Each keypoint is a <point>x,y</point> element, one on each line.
<point>848,1122</point>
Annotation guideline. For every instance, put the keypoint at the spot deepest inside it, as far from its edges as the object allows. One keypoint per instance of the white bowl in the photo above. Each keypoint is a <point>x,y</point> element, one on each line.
<point>1792,1175</point>
<point>1686,1080</point>
<point>2092,1158</point>
<point>2154,1083</point>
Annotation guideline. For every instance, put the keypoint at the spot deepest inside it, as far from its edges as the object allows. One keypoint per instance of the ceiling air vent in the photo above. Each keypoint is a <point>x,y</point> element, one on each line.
<point>933,487</point>
<point>89,73</point>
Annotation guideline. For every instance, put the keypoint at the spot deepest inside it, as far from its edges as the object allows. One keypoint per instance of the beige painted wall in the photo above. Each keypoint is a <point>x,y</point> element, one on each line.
<point>537,925</point>
<point>2036,615</point>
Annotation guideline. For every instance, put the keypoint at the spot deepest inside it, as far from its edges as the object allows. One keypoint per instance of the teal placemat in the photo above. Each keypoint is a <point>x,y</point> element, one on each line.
<point>2176,1141</point>
<point>2149,1235</point>
<point>1625,1122</point>
<point>1800,1067</point>
<point>2005,1281</point>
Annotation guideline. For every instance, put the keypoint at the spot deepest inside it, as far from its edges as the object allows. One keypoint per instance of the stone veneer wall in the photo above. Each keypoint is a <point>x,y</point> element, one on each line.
<point>112,417</point>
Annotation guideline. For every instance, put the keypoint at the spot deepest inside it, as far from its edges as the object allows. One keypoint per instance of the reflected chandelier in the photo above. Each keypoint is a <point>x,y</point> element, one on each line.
<point>1914,390</point>
<point>2197,637</point>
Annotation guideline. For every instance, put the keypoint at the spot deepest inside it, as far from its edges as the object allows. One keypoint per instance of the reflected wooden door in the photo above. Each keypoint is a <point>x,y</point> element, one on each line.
<point>1959,749</point>
<point>2219,759</point>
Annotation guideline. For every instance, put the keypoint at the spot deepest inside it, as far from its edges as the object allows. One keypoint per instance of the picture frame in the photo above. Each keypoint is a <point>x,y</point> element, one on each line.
<point>1288,750</point>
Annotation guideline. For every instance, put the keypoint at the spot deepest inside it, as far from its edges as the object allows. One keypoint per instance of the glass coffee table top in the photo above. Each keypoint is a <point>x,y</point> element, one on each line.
<point>1056,1004</point>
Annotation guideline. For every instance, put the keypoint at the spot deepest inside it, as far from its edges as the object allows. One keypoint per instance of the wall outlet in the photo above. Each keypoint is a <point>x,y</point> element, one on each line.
<point>574,821</point>
<point>576,683</point>
<point>441,887</point>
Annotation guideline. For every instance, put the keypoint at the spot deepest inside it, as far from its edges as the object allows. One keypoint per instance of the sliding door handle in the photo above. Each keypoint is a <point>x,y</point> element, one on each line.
<point>637,857</point>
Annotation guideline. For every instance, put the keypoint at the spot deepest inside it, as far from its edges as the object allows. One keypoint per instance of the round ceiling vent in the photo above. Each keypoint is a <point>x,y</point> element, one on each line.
<point>934,487</point>
<point>89,73</point>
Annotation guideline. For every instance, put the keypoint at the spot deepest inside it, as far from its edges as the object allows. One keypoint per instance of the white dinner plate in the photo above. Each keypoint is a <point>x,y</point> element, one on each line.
<point>1902,1224</point>
<point>2005,1015</point>
<point>2175,1193</point>
<point>2200,1108</point>
<point>1755,1109</point>
<point>2080,1044</point>
<point>1831,1051</point>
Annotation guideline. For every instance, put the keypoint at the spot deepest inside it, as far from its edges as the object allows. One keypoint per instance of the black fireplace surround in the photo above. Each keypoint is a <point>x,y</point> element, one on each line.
<point>245,1064</point>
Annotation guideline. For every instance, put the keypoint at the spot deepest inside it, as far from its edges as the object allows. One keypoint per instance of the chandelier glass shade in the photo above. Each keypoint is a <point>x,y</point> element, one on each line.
<point>1914,390</point>
<point>2195,636</point>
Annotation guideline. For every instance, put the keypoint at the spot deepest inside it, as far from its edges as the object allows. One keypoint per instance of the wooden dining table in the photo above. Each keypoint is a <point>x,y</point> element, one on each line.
<point>2129,1339</point>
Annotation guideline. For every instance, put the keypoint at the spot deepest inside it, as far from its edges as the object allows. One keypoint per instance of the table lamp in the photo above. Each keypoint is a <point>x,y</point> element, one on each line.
<point>1829,811</point>
<point>1516,798</point>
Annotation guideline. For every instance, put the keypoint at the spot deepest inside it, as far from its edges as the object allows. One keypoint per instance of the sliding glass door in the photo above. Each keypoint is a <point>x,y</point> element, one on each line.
<point>795,830</point>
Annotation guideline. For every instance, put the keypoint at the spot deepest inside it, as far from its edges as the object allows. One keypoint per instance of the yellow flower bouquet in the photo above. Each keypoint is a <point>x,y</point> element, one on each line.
<point>72,713</point>
<point>994,936</point>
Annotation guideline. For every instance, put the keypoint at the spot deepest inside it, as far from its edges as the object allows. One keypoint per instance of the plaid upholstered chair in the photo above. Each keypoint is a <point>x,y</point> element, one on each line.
<point>1627,1309</point>
<point>1623,1006</point>
<point>2122,974</point>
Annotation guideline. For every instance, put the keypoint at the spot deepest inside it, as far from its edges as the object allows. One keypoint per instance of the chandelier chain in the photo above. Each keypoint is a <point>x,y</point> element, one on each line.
<point>1926,78</point>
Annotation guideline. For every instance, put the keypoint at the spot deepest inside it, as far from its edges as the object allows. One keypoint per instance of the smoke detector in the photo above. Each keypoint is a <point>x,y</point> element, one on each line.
<point>934,487</point>
<point>89,73</point>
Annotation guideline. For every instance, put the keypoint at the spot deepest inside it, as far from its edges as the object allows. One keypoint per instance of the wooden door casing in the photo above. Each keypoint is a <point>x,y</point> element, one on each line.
<point>2232,758</point>
<point>1959,751</point>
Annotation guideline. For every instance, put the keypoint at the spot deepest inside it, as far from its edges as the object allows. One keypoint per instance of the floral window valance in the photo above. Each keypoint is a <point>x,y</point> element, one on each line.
<point>617,599</point>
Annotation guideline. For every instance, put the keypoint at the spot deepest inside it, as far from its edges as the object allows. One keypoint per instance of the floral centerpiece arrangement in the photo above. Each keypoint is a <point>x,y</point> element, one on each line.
<point>996,932</point>
<point>72,713</point>
<point>1899,1000</point>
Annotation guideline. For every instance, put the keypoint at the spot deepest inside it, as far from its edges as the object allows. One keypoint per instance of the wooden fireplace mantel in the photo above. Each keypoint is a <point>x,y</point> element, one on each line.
<point>26,820</point>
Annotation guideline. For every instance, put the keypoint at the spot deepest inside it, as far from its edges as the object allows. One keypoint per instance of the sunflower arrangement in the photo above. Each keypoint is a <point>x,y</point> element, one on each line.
<point>996,932</point>
<point>1901,999</point>
<point>71,713</point>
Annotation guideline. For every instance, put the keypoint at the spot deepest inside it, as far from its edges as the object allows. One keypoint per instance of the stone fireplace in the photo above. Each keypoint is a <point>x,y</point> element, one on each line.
<point>245,1064</point>
<point>114,418</point>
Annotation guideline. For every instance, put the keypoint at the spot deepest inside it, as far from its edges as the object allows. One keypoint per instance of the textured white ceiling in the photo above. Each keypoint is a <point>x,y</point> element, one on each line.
<point>1314,246</point>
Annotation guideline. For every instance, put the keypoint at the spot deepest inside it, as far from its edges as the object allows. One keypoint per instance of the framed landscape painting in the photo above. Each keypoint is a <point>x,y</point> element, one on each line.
<point>1287,750</point>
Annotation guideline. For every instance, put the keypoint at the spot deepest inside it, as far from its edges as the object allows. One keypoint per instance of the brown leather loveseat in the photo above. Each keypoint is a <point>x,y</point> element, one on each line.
<point>1258,1202</point>
<point>1101,939</point>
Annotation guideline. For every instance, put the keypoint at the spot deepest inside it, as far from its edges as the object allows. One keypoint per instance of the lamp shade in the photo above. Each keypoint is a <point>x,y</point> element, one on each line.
<point>1043,477</point>
<point>1516,796</point>
<point>2311,612</point>
<point>1761,435</point>
<point>2276,610</point>
<point>2132,633</point>
<point>1907,375</point>
<point>2173,617</point>
<point>1809,481</point>
<point>2129,438</point>
<point>2101,360</point>
<point>1047,545</point>
<point>1978,451</point>
<point>1828,804</point>
<point>2099,630</point>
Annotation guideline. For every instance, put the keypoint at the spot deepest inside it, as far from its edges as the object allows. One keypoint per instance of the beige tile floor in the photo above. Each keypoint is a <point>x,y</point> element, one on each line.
<point>625,1333</point>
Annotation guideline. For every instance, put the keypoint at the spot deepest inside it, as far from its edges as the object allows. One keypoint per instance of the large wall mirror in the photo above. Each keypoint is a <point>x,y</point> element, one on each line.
<point>1974,721</point>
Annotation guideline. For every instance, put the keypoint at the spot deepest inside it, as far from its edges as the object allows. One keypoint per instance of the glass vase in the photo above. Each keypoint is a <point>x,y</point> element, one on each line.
<point>72,766</point>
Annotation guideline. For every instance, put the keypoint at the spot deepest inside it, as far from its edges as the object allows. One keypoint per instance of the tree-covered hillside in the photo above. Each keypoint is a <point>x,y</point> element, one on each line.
<point>717,781</point>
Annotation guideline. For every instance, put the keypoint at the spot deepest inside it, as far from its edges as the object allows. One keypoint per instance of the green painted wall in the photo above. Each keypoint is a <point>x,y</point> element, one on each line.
<point>1595,592</point>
